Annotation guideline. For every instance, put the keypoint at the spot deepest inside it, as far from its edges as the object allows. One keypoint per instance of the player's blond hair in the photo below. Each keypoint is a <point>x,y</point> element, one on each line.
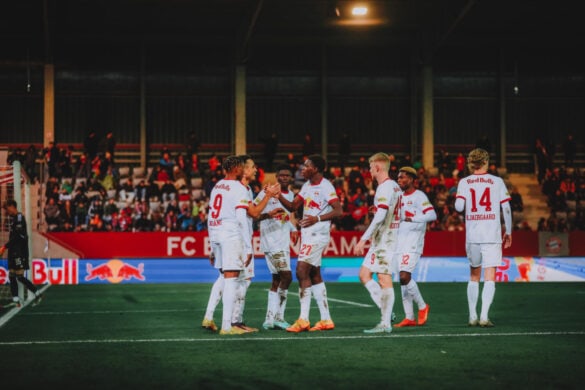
<point>478,159</point>
<point>382,158</point>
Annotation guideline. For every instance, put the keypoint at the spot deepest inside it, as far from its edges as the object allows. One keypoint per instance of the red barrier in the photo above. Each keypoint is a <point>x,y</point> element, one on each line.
<point>179,245</point>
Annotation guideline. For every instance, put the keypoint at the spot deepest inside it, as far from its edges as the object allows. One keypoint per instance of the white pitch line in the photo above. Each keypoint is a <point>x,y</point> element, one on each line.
<point>296,338</point>
<point>339,301</point>
<point>8,316</point>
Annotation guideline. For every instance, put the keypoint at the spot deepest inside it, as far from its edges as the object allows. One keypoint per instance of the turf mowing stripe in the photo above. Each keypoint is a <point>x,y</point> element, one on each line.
<point>296,338</point>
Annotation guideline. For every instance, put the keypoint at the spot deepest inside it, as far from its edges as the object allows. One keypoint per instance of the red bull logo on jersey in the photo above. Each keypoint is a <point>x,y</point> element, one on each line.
<point>115,271</point>
<point>311,204</point>
<point>480,180</point>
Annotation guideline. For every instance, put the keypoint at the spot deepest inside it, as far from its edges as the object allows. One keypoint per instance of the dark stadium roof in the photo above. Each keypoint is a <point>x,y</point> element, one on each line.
<point>57,29</point>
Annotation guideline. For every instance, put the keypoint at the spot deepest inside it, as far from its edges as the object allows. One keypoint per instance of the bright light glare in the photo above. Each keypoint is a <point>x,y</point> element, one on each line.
<point>359,11</point>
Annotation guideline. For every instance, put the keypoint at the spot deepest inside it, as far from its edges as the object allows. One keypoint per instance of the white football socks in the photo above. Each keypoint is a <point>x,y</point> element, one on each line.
<point>472,295</point>
<point>214,296</point>
<point>375,291</point>
<point>320,294</point>
<point>487,297</point>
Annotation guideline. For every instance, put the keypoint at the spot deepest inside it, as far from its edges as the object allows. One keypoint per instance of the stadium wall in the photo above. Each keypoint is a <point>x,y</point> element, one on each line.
<point>112,258</point>
<point>195,244</point>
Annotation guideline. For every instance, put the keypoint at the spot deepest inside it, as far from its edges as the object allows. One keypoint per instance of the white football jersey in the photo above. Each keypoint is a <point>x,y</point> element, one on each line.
<point>417,207</point>
<point>226,197</point>
<point>316,201</point>
<point>483,194</point>
<point>387,197</point>
<point>275,232</point>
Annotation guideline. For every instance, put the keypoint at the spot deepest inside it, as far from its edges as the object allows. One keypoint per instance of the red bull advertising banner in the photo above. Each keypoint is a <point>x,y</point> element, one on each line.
<point>334,269</point>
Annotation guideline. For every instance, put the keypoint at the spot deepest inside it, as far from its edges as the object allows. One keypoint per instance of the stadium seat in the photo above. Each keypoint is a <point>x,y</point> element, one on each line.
<point>196,182</point>
<point>124,171</point>
<point>138,172</point>
<point>197,194</point>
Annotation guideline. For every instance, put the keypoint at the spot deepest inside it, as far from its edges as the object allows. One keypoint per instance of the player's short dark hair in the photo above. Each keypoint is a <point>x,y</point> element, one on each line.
<point>231,162</point>
<point>284,167</point>
<point>244,158</point>
<point>318,161</point>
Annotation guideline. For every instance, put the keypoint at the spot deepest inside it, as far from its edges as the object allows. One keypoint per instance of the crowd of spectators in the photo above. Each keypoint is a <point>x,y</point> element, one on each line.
<point>88,191</point>
<point>167,199</point>
<point>564,189</point>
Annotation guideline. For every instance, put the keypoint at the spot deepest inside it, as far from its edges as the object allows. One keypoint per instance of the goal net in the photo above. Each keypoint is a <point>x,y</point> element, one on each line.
<point>13,185</point>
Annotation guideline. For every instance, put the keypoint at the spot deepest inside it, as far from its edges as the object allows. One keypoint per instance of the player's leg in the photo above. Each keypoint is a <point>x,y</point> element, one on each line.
<point>14,287</point>
<point>487,296</point>
<point>272,306</point>
<point>492,255</point>
<point>215,297</point>
<point>388,298</point>
<point>320,295</point>
<point>365,274</point>
<point>474,257</point>
<point>407,300</point>
<point>285,281</point>
<point>228,298</point>
<point>302,323</point>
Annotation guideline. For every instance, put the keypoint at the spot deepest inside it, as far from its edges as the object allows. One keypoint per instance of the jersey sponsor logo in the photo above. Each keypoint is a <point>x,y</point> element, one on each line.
<point>222,186</point>
<point>479,180</point>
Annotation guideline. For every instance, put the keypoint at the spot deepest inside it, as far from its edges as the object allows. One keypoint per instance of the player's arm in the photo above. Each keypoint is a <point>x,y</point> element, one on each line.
<point>291,206</point>
<point>428,214</point>
<point>19,227</point>
<point>377,221</point>
<point>507,212</point>
<point>255,208</point>
<point>242,217</point>
<point>460,203</point>
<point>309,220</point>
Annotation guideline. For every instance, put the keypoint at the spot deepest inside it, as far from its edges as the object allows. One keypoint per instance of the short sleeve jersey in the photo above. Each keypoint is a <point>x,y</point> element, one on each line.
<point>483,194</point>
<point>412,234</point>
<point>387,197</point>
<point>275,232</point>
<point>317,199</point>
<point>226,197</point>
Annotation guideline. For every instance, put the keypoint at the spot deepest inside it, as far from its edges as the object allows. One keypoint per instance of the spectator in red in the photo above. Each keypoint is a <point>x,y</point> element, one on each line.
<point>213,162</point>
<point>193,166</point>
<point>460,163</point>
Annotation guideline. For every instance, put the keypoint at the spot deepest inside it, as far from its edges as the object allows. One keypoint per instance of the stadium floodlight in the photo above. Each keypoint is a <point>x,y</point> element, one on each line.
<point>359,10</point>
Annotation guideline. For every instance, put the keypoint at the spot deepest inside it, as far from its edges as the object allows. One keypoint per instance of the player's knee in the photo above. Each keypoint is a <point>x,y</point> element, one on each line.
<point>365,275</point>
<point>404,278</point>
<point>285,278</point>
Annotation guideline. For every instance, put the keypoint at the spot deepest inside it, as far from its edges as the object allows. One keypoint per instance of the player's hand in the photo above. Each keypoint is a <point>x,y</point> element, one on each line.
<point>507,240</point>
<point>294,236</point>
<point>248,260</point>
<point>359,248</point>
<point>273,190</point>
<point>275,213</point>
<point>308,220</point>
<point>212,258</point>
